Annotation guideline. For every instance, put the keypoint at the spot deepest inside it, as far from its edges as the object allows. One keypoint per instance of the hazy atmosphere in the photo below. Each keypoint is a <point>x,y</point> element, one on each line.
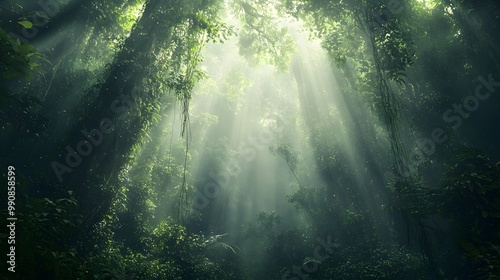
<point>250,139</point>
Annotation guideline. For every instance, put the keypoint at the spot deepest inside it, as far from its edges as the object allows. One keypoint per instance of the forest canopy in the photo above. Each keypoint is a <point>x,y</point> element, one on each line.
<point>250,139</point>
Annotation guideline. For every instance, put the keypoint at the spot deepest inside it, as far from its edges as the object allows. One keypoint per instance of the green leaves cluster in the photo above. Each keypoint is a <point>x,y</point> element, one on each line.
<point>285,151</point>
<point>17,59</point>
<point>468,194</point>
<point>262,37</point>
<point>472,189</point>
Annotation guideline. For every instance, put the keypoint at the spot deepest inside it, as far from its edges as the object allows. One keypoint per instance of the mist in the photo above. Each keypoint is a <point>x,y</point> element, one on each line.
<point>250,139</point>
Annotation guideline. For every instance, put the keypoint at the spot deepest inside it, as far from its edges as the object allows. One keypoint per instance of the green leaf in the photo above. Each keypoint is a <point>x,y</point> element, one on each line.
<point>49,201</point>
<point>26,24</point>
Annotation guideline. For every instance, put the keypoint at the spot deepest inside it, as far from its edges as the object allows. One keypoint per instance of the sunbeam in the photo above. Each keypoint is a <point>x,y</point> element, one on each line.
<point>250,139</point>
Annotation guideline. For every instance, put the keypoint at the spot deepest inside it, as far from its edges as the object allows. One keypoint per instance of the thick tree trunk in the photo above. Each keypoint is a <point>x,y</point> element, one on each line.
<point>104,137</point>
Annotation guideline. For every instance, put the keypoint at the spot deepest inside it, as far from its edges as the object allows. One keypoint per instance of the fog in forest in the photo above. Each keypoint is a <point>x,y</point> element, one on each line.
<point>250,139</point>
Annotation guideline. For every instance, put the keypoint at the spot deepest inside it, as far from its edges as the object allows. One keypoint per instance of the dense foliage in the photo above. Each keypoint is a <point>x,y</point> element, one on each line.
<point>124,120</point>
